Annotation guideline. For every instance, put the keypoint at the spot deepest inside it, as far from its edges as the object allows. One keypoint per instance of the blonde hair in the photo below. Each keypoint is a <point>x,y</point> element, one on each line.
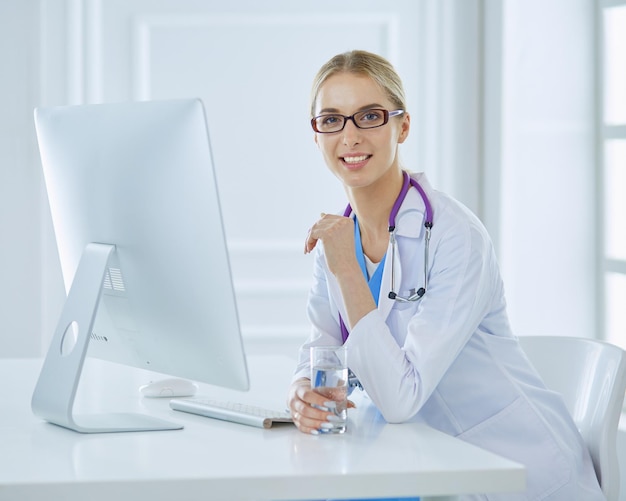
<point>360,62</point>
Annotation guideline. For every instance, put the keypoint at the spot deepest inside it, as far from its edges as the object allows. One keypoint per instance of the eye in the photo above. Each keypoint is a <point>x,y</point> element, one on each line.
<point>373,115</point>
<point>329,120</point>
<point>371,118</point>
<point>329,123</point>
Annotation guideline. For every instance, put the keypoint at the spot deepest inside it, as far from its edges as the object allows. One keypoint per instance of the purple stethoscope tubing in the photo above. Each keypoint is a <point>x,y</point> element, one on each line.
<point>407,182</point>
<point>416,295</point>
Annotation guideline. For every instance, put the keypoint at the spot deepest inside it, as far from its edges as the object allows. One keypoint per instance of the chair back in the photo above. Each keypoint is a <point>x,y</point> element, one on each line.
<point>591,376</point>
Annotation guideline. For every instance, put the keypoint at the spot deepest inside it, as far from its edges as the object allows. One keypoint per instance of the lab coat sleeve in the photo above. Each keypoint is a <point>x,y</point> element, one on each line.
<point>464,283</point>
<point>323,316</point>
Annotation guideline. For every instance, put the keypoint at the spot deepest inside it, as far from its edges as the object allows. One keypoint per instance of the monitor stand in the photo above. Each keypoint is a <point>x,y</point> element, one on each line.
<point>55,392</point>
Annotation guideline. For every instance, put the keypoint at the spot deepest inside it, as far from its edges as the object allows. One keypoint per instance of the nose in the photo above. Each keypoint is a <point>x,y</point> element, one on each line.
<point>351,133</point>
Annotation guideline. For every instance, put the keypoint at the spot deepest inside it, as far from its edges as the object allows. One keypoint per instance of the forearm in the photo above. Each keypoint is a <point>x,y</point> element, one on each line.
<point>356,295</point>
<point>387,375</point>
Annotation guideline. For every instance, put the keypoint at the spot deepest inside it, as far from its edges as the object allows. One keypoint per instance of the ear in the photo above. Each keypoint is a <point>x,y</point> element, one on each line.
<point>404,128</point>
<point>315,139</point>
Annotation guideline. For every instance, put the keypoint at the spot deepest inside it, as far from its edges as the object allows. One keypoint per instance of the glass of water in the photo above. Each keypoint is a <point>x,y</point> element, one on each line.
<point>329,377</point>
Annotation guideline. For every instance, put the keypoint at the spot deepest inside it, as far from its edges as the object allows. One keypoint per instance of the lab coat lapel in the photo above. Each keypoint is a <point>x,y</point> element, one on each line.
<point>384,303</point>
<point>409,224</point>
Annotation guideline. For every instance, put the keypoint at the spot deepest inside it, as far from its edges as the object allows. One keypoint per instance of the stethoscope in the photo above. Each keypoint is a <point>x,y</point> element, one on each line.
<point>408,181</point>
<point>414,294</point>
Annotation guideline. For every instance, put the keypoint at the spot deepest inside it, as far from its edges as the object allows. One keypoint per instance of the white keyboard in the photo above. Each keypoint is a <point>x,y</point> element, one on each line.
<point>231,411</point>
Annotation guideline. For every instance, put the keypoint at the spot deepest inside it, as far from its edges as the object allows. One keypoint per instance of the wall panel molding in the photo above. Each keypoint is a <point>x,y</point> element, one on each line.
<point>145,26</point>
<point>90,51</point>
<point>272,279</point>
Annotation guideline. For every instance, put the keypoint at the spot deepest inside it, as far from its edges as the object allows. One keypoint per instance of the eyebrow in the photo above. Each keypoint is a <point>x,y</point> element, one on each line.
<point>362,108</point>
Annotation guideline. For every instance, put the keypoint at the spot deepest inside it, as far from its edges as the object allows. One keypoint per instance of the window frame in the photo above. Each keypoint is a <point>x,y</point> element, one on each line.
<point>604,133</point>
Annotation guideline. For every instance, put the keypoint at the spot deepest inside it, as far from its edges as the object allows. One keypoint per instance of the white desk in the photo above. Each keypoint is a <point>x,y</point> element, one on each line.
<point>215,460</point>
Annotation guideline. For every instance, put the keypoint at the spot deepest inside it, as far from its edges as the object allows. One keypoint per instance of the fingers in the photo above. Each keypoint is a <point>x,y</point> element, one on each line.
<point>308,408</point>
<point>309,242</point>
<point>309,419</point>
<point>311,238</point>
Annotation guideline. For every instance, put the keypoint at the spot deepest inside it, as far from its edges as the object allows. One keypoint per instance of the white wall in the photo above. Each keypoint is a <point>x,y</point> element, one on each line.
<point>505,127</point>
<point>21,290</point>
<point>242,58</point>
<point>547,176</point>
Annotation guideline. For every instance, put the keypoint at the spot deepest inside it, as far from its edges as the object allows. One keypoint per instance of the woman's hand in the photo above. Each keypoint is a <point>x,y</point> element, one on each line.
<point>302,400</point>
<point>337,234</point>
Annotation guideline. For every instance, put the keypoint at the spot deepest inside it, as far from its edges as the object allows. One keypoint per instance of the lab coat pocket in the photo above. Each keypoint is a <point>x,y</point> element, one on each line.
<point>400,314</point>
<point>519,434</point>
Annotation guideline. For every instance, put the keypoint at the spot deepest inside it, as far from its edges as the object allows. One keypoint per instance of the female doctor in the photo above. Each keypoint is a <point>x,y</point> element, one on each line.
<point>407,278</point>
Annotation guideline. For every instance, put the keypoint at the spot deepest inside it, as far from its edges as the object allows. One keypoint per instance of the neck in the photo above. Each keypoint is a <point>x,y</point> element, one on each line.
<point>372,205</point>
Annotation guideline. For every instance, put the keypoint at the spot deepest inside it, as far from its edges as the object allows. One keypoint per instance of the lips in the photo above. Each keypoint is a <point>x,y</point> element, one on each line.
<point>353,162</point>
<point>353,159</point>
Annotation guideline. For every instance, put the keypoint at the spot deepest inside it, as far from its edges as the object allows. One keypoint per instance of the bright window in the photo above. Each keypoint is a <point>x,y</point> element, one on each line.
<point>615,318</point>
<point>612,170</point>
<point>614,65</point>
<point>615,199</point>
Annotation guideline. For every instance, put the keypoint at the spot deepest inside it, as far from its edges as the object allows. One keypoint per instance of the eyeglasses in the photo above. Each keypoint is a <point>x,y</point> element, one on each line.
<point>367,119</point>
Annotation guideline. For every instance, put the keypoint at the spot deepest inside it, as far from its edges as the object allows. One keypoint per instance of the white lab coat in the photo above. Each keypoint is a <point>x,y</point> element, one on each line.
<point>450,360</point>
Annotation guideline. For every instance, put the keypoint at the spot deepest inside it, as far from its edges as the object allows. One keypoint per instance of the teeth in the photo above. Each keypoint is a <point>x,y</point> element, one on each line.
<point>354,160</point>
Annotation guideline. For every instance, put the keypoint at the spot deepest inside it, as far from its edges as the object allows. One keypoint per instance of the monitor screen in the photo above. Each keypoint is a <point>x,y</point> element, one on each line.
<point>138,225</point>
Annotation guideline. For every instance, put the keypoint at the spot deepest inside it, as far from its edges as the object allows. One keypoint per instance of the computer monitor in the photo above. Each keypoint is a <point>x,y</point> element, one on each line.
<point>138,225</point>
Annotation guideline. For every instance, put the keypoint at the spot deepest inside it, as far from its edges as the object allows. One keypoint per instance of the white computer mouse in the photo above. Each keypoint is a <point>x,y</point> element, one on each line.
<point>169,388</point>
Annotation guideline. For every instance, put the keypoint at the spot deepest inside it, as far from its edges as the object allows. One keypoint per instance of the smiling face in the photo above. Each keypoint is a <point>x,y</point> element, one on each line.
<point>359,157</point>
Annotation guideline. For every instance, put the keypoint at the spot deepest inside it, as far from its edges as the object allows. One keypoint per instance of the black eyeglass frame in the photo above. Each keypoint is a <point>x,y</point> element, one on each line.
<point>386,116</point>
